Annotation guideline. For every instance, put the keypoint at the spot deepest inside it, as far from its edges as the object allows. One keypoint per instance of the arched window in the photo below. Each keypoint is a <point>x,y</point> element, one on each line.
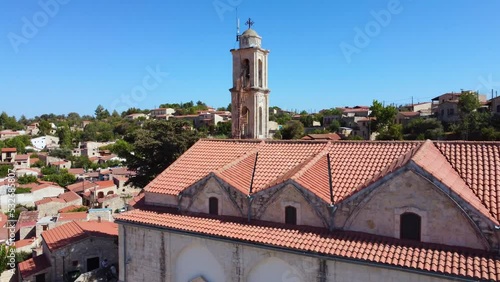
<point>110,193</point>
<point>100,195</point>
<point>410,226</point>
<point>213,206</point>
<point>290,215</point>
<point>260,121</point>
<point>260,73</point>
<point>245,72</point>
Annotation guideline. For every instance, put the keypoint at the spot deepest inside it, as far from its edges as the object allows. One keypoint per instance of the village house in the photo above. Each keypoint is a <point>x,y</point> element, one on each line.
<point>494,104</point>
<point>8,155</point>
<point>404,118</point>
<point>37,192</point>
<point>136,116</point>
<point>70,250</point>
<point>43,142</point>
<point>22,161</point>
<point>28,171</point>
<point>26,225</point>
<point>51,206</point>
<point>103,189</point>
<point>91,149</point>
<point>6,134</point>
<point>161,113</point>
<point>445,106</point>
<point>61,164</point>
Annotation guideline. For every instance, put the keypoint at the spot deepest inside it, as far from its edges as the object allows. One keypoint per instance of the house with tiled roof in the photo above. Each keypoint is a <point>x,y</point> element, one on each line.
<point>78,246</point>
<point>22,161</point>
<point>249,210</point>
<point>51,206</point>
<point>8,155</point>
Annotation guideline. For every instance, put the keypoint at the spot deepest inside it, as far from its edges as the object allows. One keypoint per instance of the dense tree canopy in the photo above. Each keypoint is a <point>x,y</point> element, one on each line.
<point>155,146</point>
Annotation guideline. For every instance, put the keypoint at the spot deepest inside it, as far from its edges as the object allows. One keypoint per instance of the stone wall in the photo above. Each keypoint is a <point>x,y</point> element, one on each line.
<point>63,259</point>
<point>157,256</point>
<point>442,221</point>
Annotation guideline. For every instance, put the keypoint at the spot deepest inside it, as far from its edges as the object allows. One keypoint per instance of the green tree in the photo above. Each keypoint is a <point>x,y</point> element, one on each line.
<point>392,132</point>
<point>223,128</point>
<point>157,145</point>
<point>65,137</point>
<point>62,178</point>
<point>421,129</point>
<point>44,127</point>
<point>101,113</point>
<point>4,170</point>
<point>334,126</point>
<point>25,179</point>
<point>293,130</point>
<point>384,116</point>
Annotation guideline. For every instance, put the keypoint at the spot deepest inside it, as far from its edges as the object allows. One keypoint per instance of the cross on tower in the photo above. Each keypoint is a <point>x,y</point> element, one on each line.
<point>249,23</point>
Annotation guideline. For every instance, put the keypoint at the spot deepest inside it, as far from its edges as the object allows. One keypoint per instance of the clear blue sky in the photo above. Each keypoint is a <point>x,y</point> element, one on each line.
<point>91,52</point>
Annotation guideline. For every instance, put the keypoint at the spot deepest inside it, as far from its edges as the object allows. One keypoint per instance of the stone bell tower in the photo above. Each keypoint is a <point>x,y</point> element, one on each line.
<point>250,92</point>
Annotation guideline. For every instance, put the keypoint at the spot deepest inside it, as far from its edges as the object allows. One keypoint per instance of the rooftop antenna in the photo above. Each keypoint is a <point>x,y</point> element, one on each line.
<point>237,26</point>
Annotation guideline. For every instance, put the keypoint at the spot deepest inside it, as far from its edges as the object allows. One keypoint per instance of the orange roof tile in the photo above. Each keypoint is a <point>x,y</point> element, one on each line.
<point>9,150</point>
<point>75,231</point>
<point>33,266</point>
<point>70,216</point>
<point>69,196</point>
<point>339,244</point>
<point>24,242</point>
<point>478,164</point>
<point>69,208</point>
<point>105,184</point>
<point>81,186</point>
<point>470,169</point>
<point>209,156</point>
<point>49,200</point>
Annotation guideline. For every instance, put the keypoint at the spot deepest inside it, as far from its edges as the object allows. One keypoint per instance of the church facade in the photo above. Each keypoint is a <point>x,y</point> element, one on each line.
<point>251,210</point>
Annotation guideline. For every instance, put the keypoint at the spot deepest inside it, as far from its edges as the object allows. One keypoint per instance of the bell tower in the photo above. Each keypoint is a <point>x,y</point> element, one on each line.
<point>250,92</point>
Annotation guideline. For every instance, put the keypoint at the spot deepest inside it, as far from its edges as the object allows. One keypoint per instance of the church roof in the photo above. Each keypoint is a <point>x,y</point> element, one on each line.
<point>469,169</point>
<point>353,246</point>
<point>250,32</point>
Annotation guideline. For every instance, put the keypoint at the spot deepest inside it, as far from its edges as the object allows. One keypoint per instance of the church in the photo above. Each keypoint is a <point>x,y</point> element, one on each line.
<point>253,209</point>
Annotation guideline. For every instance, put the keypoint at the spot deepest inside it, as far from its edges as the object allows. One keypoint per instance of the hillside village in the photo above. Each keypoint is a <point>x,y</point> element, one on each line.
<point>68,169</point>
<point>249,192</point>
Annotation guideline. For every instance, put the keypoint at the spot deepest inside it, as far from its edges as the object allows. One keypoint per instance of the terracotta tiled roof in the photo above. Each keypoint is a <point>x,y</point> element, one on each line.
<point>9,150</point>
<point>27,218</point>
<point>76,171</point>
<point>38,187</point>
<point>81,186</point>
<point>209,156</point>
<point>409,114</point>
<point>107,198</point>
<point>33,266</point>
<point>72,232</point>
<point>325,136</point>
<point>24,242</point>
<point>453,261</point>
<point>69,196</point>
<point>49,200</point>
<point>69,208</point>
<point>478,164</point>
<point>70,216</point>
<point>105,184</point>
<point>469,169</point>
<point>22,157</point>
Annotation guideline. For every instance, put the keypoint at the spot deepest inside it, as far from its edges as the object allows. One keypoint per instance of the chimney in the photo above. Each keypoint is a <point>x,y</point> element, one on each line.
<point>99,219</point>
